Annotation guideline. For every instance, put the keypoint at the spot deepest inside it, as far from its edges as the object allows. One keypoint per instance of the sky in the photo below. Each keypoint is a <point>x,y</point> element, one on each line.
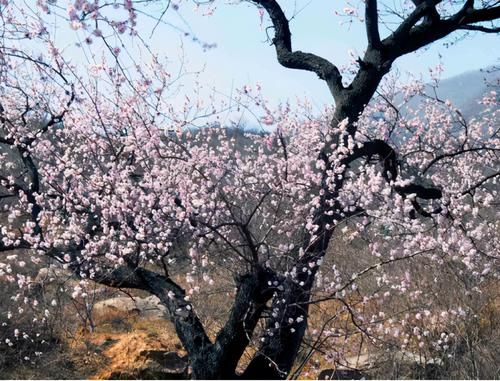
<point>243,56</point>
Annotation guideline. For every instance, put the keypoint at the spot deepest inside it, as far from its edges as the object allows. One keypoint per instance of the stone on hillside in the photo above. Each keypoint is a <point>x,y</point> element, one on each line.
<point>152,307</point>
<point>159,365</point>
<point>53,274</point>
<point>166,362</point>
<point>341,374</point>
<point>147,307</point>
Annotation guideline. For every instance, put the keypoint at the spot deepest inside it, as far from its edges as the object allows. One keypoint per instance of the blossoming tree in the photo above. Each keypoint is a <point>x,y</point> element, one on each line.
<point>102,174</point>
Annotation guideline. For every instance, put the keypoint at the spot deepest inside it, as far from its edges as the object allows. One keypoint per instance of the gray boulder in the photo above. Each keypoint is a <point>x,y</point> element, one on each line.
<point>160,365</point>
<point>147,307</point>
<point>341,374</point>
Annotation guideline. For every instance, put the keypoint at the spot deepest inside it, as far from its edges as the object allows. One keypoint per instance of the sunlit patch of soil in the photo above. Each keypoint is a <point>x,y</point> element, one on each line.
<point>122,353</point>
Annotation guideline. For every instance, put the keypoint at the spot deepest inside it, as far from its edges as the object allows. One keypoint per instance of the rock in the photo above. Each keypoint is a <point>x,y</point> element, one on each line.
<point>159,365</point>
<point>169,360</point>
<point>121,375</point>
<point>120,304</point>
<point>53,274</point>
<point>146,307</point>
<point>165,365</point>
<point>341,374</point>
<point>145,374</point>
<point>152,307</point>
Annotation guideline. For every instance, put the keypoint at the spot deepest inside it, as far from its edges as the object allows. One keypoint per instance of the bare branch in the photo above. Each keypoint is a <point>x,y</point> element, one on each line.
<point>453,154</point>
<point>480,183</point>
<point>479,28</point>
<point>422,8</point>
<point>299,60</point>
<point>356,276</point>
<point>371,23</point>
<point>471,16</point>
<point>187,324</point>
<point>409,36</point>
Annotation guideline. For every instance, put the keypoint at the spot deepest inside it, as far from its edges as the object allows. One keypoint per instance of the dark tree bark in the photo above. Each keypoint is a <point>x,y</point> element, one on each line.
<point>208,360</point>
<point>422,27</point>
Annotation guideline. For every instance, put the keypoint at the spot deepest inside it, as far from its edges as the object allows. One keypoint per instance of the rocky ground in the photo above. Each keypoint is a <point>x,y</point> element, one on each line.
<point>130,337</point>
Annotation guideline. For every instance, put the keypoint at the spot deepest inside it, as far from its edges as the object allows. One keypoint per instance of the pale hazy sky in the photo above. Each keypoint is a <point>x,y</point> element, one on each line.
<point>243,56</point>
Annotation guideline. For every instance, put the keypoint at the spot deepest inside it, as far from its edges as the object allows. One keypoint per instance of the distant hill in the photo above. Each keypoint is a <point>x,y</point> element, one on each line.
<point>467,89</point>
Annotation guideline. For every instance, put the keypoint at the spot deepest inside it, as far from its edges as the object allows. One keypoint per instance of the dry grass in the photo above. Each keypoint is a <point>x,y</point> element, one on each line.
<point>119,338</point>
<point>122,340</point>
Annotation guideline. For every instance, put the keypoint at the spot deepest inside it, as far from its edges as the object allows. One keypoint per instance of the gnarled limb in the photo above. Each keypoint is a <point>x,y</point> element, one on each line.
<point>371,23</point>
<point>296,59</point>
<point>253,293</point>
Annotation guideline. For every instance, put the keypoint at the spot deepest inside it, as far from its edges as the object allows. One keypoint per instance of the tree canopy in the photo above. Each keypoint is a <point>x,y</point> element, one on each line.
<point>102,174</point>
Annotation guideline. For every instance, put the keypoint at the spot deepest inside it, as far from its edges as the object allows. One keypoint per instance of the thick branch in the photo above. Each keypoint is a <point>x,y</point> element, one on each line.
<point>479,28</point>
<point>299,60</point>
<point>384,151</point>
<point>410,37</point>
<point>22,245</point>
<point>422,9</point>
<point>420,191</point>
<point>371,23</point>
<point>480,183</point>
<point>479,15</point>
<point>388,158</point>
<point>250,301</point>
<point>187,324</point>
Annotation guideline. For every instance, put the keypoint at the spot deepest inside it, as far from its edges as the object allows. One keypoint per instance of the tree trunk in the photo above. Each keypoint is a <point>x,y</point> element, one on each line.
<point>220,359</point>
<point>278,353</point>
